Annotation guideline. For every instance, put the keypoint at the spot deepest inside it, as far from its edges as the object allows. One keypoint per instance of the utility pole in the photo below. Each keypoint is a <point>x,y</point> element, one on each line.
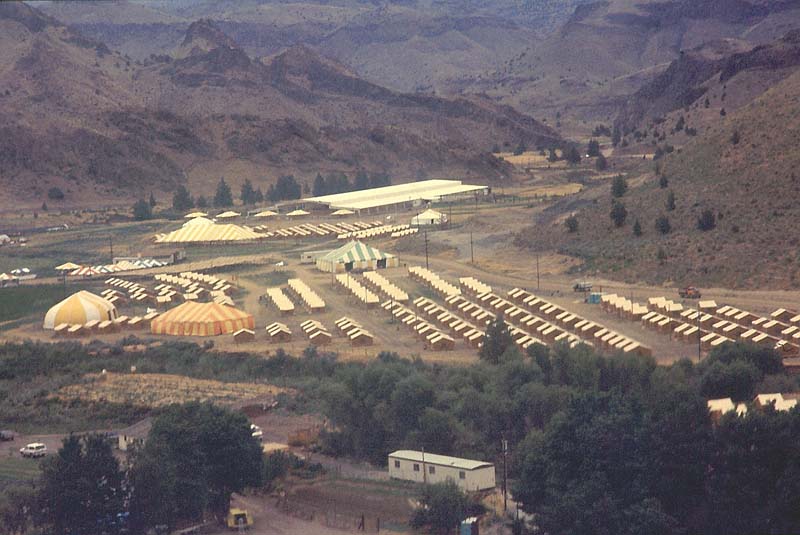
<point>424,473</point>
<point>699,332</point>
<point>471,248</point>
<point>504,443</point>
<point>111,246</point>
<point>426,250</point>
<point>537,272</point>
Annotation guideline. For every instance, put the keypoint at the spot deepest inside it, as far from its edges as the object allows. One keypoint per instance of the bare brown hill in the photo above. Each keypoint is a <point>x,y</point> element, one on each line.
<point>85,119</point>
<point>743,170</point>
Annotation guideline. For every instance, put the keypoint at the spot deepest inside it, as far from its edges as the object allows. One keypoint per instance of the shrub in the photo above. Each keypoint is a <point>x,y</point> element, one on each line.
<point>670,201</point>
<point>55,194</point>
<point>637,228</point>
<point>707,221</point>
<point>571,223</point>
<point>663,225</point>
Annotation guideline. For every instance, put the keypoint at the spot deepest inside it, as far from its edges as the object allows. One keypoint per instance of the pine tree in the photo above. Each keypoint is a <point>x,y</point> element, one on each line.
<point>572,155</point>
<point>619,186</point>
<point>618,213</point>
<point>142,210</point>
<point>571,223</point>
<point>707,221</point>
<point>593,149</point>
<point>663,182</point>
<point>637,228</point>
<point>670,201</point>
<point>663,225</point>
<point>601,164</point>
<point>223,197</point>
<point>152,200</point>
<point>616,136</point>
<point>202,202</point>
<point>248,193</point>
<point>182,199</point>
<point>319,187</point>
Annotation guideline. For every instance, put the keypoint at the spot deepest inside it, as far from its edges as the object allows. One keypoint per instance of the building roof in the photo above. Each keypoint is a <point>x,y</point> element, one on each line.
<point>266,213</point>
<point>354,251</point>
<point>439,460</point>
<point>298,212</point>
<point>426,190</point>
<point>229,213</point>
<point>427,215</point>
<point>195,214</point>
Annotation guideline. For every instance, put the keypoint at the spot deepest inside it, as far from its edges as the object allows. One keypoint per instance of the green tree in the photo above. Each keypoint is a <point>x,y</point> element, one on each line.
<point>258,196</point>
<point>670,204</point>
<point>618,213</point>
<point>519,149</point>
<point>17,505</point>
<point>572,156</point>
<point>153,201</point>
<point>142,210</point>
<point>601,164</point>
<point>319,187</point>
<point>285,188</point>
<point>552,156</point>
<point>361,181</point>
<point>182,199</point>
<point>593,149</point>
<point>248,193</point>
<point>735,137</point>
<point>223,196</point>
<point>81,489</point>
<point>619,186</point>
<point>571,223</point>
<point>663,225</point>
<point>442,506</point>
<point>616,136</point>
<point>707,221</point>
<point>195,456</point>
<point>496,341</point>
<point>637,228</point>
<point>202,202</point>
<point>55,194</point>
<point>663,182</point>
<point>44,206</point>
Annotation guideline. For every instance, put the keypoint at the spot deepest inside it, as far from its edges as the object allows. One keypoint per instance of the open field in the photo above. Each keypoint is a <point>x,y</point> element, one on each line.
<point>158,390</point>
<point>17,470</point>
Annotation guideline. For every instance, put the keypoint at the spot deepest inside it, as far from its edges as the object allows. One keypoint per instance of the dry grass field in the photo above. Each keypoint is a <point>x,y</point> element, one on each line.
<point>158,390</point>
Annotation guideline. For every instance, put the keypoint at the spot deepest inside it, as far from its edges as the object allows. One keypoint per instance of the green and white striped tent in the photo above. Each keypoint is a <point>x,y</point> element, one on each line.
<point>355,255</point>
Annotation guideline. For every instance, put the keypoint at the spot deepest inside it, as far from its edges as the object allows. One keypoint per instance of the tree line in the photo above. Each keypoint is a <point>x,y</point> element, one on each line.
<point>599,444</point>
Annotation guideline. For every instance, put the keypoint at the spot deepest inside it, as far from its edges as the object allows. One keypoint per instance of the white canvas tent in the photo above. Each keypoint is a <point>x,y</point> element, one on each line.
<point>428,217</point>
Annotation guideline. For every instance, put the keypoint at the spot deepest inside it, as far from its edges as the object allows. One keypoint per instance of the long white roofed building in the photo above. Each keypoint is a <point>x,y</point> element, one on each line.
<point>400,195</point>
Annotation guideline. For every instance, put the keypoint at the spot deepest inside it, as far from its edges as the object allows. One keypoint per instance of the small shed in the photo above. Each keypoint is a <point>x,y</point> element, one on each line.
<point>428,218</point>
<point>421,467</point>
<point>278,332</point>
<point>244,335</point>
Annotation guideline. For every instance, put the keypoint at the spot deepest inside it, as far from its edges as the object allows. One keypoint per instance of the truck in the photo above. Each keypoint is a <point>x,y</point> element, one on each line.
<point>238,518</point>
<point>690,292</point>
<point>582,286</point>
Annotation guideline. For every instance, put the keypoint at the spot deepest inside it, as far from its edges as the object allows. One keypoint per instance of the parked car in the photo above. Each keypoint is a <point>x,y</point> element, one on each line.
<point>256,432</point>
<point>690,292</point>
<point>582,286</point>
<point>6,435</point>
<point>33,450</point>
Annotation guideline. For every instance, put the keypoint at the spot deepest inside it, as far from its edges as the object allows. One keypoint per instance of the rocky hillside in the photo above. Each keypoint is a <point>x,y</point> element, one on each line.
<point>734,68</point>
<point>742,169</point>
<point>608,49</point>
<point>77,116</point>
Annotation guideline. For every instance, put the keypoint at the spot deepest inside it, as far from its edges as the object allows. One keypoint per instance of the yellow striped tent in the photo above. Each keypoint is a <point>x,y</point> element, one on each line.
<point>198,231</point>
<point>79,308</point>
<point>201,319</point>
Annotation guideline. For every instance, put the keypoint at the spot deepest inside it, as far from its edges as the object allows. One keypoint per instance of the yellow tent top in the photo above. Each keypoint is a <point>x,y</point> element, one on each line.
<point>297,213</point>
<point>209,233</point>
<point>266,213</point>
<point>228,214</point>
<point>78,309</point>
<point>195,214</point>
<point>343,211</point>
<point>201,319</point>
<point>69,266</point>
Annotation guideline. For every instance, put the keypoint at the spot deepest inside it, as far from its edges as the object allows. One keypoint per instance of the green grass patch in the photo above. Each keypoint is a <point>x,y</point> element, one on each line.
<point>274,278</point>
<point>18,470</point>
<point>22,301</point>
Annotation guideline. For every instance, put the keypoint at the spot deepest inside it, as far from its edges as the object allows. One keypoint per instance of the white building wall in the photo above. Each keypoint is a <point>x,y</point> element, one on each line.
<point>473,480</point>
